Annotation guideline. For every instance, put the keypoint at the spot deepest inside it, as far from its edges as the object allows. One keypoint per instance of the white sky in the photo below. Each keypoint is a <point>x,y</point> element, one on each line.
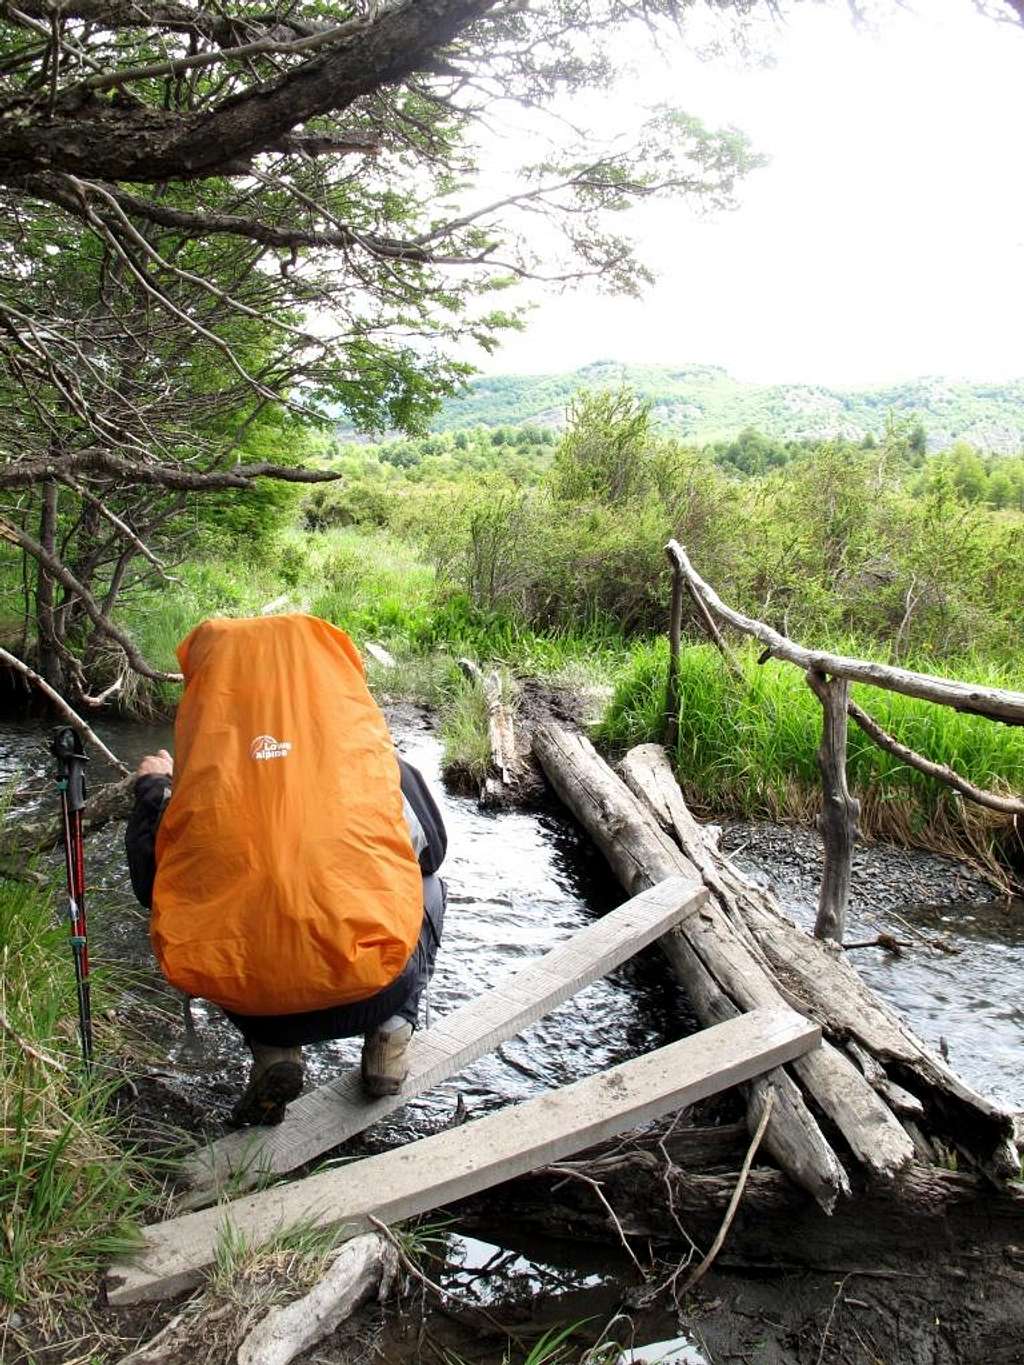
<point>884,241</point>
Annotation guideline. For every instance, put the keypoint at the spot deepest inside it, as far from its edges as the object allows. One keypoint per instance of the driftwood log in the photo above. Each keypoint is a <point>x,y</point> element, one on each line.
<point>834,1122</point>
<point>207,1329</point>
<point>363,1267</point>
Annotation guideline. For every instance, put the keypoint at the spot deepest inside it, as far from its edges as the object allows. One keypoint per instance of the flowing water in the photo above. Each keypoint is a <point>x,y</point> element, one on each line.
<point>519,883</point>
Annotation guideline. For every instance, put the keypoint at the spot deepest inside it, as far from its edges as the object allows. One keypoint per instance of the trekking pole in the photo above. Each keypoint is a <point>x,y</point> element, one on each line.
<point>71,759</point>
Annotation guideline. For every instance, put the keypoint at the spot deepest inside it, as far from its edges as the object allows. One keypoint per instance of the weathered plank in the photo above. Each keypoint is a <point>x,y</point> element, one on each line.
<point>335,1112</point>
<point>463,1161</point>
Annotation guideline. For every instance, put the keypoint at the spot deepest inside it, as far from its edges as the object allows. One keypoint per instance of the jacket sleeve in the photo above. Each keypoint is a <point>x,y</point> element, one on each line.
<point>419,797</point>
<point>151,794</point>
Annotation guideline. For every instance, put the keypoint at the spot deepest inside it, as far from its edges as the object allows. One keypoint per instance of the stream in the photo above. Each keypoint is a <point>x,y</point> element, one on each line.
<point>519,882</point>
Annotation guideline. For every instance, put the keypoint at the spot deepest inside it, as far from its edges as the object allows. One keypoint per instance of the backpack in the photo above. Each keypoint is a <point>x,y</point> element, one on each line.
<point>286,879</point>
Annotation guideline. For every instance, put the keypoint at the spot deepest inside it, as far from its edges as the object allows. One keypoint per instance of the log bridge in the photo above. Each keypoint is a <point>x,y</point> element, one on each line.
<point>852,1106</point>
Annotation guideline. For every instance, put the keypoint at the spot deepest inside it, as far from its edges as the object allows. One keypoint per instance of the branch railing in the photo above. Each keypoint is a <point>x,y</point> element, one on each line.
<point>829,677</point>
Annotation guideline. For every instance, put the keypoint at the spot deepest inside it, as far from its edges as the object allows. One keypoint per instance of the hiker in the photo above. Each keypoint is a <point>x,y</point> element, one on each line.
<point>289,856</point>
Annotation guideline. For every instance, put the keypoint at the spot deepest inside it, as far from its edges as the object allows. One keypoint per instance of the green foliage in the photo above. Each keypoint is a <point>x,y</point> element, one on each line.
<point>607,451</point>
<point>556,566</point>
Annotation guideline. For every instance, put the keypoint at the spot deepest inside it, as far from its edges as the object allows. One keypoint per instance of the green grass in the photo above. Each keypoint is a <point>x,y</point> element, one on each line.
<point>70,1195</point>
<point>750,748</point>
<point>743,750</point>
<point>377,588</point>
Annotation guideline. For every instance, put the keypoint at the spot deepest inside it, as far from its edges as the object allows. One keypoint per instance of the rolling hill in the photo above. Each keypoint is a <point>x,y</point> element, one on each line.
<point>703,403</point>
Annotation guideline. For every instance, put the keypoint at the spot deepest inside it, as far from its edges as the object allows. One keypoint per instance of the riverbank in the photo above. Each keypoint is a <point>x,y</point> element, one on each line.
<point>520,880</point>
<point>744,750</point>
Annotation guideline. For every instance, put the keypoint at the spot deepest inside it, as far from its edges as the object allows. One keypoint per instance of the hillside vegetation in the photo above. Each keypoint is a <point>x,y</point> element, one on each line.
<point>703,403</point>
<point>545,554</point>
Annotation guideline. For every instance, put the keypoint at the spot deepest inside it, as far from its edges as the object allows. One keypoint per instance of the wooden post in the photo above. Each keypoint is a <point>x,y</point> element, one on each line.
<point>675,630</point>
<point>839,813</point>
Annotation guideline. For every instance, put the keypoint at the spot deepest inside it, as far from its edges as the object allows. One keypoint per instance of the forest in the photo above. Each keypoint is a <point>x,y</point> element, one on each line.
<point>704,403</point>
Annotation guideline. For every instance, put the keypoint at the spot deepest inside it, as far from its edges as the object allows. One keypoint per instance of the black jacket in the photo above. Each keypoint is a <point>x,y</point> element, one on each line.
<point>152,793</point>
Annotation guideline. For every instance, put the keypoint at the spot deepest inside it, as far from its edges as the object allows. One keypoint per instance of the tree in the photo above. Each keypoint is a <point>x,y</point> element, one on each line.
<point>607,450</point>
<point>215,211</point>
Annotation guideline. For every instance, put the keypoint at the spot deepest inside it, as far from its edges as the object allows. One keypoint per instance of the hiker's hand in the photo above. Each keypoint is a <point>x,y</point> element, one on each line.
<point>156,765</point>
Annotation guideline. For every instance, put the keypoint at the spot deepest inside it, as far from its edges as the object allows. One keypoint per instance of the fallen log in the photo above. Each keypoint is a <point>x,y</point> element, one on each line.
<point>641,853</point>
<point>26,838</point>
<point>940,1216</point>
<point>740,950</point>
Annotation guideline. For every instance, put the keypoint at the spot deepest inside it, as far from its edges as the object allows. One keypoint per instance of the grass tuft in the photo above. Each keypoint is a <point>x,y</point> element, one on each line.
<point>465,739</point>
<point>70,1194</point>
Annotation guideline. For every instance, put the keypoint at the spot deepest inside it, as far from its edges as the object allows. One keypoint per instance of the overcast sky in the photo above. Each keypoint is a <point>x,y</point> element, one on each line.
<point>885,239</point>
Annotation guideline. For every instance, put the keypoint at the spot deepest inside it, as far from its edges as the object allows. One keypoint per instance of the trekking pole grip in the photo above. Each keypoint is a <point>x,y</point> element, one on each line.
<point>69,751</point>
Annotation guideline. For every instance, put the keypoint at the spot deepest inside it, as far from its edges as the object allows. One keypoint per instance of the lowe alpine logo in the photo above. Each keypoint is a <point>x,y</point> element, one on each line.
<point>266,746</point>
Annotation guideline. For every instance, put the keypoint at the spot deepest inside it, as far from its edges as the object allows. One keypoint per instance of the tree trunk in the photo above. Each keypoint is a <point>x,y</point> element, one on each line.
<point>675,630</point>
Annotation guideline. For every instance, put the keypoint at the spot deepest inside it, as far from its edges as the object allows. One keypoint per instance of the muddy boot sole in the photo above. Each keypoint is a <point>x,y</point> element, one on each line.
<point>267,1097</point>
<point>379,1087</point>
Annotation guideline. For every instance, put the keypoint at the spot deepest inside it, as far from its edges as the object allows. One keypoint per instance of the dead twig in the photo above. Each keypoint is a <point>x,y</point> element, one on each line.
<point>886,941</point>
<point>699,1271</point>
<point>595,1185</point>
<point>424,1279</point>
<point>12,661</point>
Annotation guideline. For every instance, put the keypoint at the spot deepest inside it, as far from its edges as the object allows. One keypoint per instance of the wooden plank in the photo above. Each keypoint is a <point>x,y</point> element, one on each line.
<point>332,1114</point>
<point>459,1162</point>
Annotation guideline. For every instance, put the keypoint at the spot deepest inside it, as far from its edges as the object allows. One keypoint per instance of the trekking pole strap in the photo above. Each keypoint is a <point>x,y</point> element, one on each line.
<point>69,751</point>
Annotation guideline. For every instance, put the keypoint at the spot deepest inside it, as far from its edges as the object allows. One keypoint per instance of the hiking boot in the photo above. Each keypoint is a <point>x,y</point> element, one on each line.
<point>384,1065</point>
<point>274,1081</point>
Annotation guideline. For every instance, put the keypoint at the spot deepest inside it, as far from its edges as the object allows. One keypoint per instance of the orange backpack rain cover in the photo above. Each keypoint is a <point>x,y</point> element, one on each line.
<point>286,880</point>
